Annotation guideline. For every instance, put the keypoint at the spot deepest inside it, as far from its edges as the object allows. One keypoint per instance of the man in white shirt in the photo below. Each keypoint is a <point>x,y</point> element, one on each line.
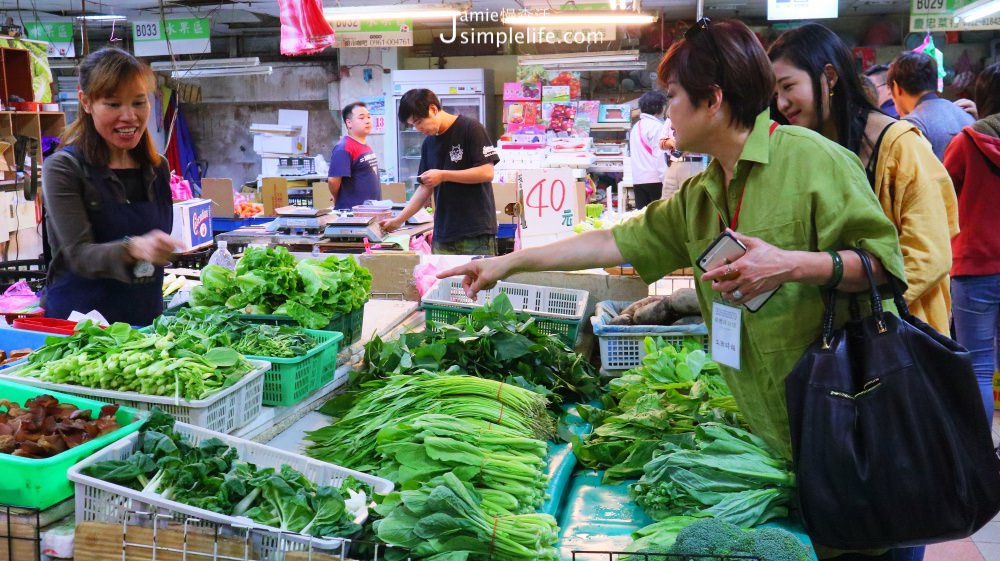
<point>647,158</point>
<point>681,165</point>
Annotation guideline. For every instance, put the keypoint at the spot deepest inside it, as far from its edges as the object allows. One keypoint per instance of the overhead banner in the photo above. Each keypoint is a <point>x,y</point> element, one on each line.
<point>801,9</point>
<point>58,34</point>
<point>939,15</point>
<point>187,36</point>
<point>367,34</point>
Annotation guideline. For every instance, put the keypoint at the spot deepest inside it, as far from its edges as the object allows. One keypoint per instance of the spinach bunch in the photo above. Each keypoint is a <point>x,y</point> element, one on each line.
<point>210,475</point>
<point>719,470</point>
<point>120,358</point>
<point>507,470</point>
<point>270,281</point>
<point>671,393</point>
<point>493,342</point>
<point>442,520</point>
<point>351,439</point>
<point>207,327</point>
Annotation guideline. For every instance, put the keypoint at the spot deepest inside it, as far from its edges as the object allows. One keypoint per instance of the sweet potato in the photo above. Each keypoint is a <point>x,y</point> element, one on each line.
<point>632,308</point>
<point>689,320</point>
<point>684,302</point>
<point>657,313</point>
<point>623,319</point>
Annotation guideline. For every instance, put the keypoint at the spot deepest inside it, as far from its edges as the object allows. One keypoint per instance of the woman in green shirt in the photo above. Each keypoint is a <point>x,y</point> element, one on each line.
<point>787,193</point>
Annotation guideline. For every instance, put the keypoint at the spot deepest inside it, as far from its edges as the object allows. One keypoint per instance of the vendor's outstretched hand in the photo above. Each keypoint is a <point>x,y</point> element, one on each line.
<point>479,274</point>
<point>154,247</point>
<point>389,225</point>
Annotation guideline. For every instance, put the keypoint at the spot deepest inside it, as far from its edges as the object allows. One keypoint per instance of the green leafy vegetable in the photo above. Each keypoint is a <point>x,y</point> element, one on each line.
<point>211,476</point>
<point>493,342</point>
<point>200,329</point>
<point>269,281</point>
<point>120,358</point>
<point>671,393</point>
<point>718,470</point>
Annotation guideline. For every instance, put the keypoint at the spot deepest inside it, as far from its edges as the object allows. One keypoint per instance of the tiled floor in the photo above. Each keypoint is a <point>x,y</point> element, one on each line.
<point>984,545</point>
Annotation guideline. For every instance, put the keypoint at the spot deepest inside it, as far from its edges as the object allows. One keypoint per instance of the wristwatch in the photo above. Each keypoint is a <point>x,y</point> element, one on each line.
<point>141,269</point>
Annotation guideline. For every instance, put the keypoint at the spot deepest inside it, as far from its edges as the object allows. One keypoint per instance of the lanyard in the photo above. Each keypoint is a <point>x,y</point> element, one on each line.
<point>739,204</point>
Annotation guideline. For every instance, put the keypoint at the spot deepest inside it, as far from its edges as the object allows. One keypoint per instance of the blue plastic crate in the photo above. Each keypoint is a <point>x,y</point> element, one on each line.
<point>506,230</point>
<point>13,339</point>
<point>223,224</point>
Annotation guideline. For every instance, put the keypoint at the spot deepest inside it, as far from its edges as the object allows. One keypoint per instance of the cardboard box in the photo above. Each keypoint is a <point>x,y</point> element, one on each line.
<point>522,91</point>
<point>271,144</point>
<point>273,194</point>
<point>555,93</point>
<point>392,273</point>
<point>192,223</point>
<point>395,192</point>
<point>504,194</point>
<point>321,195</point>
<point>220,192</point>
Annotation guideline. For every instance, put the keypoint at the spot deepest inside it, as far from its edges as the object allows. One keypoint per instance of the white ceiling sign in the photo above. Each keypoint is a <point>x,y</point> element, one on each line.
<point>801,9</point>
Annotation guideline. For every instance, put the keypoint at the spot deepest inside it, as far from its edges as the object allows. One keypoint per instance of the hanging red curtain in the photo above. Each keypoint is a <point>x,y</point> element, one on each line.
<point>304,29</point>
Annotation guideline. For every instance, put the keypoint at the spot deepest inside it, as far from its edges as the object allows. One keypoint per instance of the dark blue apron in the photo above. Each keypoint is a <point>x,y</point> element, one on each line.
<point>138,302</point>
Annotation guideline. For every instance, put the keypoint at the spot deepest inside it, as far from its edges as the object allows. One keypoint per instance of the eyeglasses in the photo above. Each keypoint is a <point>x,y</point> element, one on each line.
<point>700,28</point>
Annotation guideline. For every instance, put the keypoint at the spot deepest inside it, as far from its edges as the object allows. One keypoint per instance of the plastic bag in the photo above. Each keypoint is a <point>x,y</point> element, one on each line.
<point>420,244</point>
<point>424,276</point>
<point>180,189</point>
<point>18,297</point>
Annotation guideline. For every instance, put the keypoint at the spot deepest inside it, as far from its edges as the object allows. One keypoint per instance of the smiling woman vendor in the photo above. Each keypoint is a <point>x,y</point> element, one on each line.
<point>107,199</point>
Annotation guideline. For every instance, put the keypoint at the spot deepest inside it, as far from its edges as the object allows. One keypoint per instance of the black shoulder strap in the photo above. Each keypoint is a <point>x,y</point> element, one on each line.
<point>873,159</point>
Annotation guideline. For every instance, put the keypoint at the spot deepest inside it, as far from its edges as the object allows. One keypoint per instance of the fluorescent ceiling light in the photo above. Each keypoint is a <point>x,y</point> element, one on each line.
<point>220,72</point>
<point>102,18</point>
<point>245,62</point>
<point>581,17</point>
<point>977,10</point>
<point>57,64</point>
<point>577,59</point>
<point>395,11</point>
<point>599,67</point>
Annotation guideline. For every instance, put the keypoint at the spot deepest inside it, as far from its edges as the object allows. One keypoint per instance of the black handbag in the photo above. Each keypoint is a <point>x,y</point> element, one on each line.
<point>889,438</point>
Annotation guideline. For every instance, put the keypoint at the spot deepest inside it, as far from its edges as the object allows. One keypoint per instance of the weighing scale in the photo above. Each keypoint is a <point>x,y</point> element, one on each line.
<point>353,228</point>
<point>299,221</point>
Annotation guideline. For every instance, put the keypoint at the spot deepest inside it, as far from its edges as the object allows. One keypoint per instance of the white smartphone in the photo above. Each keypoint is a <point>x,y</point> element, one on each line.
<point>726,249</point>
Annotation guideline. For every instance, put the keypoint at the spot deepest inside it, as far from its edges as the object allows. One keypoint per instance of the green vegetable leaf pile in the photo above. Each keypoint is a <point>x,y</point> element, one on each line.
<point>120,358</point>
<point>269,281</point>
<point>719,470</point>
<point>200,329</point>
<point>493,342</point>
<point>210,475</point>
<point>507,469</point>
<point>351,440</point>
<point>442,520</point>
<point>671,393</point>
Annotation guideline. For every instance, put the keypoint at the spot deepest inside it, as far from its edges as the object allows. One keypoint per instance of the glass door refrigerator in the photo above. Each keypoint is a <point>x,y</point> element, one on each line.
<point>467,92</point>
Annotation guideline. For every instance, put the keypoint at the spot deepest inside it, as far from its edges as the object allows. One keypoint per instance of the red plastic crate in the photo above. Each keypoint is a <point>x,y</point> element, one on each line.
<point>46,325</point>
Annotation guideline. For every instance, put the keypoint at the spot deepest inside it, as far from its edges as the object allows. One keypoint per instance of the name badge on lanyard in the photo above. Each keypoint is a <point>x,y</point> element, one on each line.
<point>727,324</point>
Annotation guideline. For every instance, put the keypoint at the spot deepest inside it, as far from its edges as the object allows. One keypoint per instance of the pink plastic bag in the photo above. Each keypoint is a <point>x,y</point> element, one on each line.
<point>424,276</point>
<point>420,244</point>
<point>180,189</point>
<point>19,297</point>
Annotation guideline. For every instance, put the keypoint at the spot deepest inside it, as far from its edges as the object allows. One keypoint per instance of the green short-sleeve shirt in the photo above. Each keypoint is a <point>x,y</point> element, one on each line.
<point>800,192</point>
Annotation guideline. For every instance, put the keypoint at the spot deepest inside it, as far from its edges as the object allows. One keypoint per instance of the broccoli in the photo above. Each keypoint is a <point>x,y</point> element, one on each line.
<point>773,544</point>
<point>710,536</point>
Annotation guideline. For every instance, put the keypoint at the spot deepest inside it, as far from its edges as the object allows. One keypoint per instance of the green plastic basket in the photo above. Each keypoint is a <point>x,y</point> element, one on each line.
<point>32,483</point>
<point>348,324</point>
<point>565,329</point>
<point>292,379</point>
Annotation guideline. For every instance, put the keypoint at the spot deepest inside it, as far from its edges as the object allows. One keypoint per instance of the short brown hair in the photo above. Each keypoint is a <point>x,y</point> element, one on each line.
<point>913,72</point>
<point>724,55</point>
<point>101,73</point>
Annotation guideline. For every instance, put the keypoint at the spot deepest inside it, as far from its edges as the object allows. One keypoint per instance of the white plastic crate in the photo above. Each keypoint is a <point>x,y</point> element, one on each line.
<point>542,301</point>
<point>224,411</point>
<point>101,501</point>
<point>622,347</point>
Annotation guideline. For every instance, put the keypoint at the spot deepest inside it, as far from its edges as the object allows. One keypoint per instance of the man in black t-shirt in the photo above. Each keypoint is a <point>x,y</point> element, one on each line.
<point>456,166</point>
